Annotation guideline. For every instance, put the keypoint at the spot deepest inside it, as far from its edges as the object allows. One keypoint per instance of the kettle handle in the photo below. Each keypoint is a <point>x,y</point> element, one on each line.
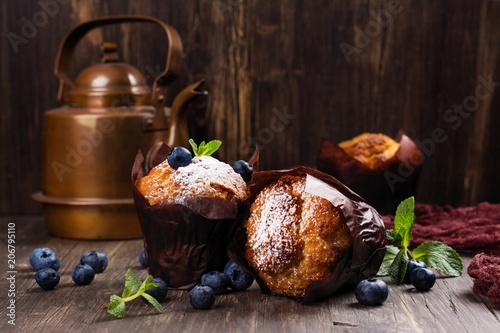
<point>68,44</point>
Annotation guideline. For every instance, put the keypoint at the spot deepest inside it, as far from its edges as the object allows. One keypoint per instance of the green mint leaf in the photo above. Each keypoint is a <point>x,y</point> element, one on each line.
<point>153,302</point>
<point>390,254</point>
<point>391,236</point>
<point>194,146</point>
<point>145,283</point>
<point>133,289</point>
<point>151,285</point>
<point>116,306</point>
<point>201,149</point>
<point>397,269</point>
<point>205,149</point>
<point>439,256</point>
<point>403,221</point>
<point>212,147</point>
<point>132,284</point>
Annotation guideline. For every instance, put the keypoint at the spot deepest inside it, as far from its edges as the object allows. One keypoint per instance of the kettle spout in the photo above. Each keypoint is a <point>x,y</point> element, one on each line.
<point>178,131</point>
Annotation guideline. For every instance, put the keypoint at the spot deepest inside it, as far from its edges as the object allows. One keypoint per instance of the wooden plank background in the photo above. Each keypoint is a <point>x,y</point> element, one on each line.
<point>262,59</point>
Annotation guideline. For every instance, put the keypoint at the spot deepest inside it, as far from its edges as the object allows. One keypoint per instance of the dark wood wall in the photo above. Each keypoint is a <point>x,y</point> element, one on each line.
<point>266,59</point>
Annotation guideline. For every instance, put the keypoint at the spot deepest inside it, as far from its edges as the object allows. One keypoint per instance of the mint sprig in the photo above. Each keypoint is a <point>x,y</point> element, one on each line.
<point>133,289</point>
<point>205,149</point>
<point>434,254</point>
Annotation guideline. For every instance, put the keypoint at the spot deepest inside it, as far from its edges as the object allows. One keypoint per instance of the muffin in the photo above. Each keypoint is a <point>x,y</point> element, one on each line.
<point>306,235</point>
<point>294,237</point>
<point>373,150</point>
<point>205,176</point>
<point>187,216</point>
<point>381,170</point>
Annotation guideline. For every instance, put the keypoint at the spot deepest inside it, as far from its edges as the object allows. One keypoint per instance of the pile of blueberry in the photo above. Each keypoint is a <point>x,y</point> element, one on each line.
<point>181,157</point>
<point>375,292</point>
<point>419,275</point>
<point>46,264</point>
<point>91,263</point>
<point>214,283</point>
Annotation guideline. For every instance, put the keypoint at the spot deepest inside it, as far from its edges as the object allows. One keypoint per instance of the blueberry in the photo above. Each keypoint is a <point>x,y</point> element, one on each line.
<point>95,259</point>
<point>47,278</point>
<point>218,281</point>
<point>36,252</point>
<point>44,258</point>
<point>202,297</point>
<point>244,169</point>
<point>142,258</point>
<point>82,274</point>
<point>371,292</point>
<point>423,278</point>
<point>238,278</point>
<point>159,293</point>
<point>413,264</point>
<point>179,157</point>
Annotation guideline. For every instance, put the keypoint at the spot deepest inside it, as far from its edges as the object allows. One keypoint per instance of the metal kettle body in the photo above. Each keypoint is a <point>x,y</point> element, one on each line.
<point>90,142</point>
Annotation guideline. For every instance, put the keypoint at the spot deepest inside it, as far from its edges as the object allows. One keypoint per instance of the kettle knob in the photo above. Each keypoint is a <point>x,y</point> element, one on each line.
<point>108,52</point>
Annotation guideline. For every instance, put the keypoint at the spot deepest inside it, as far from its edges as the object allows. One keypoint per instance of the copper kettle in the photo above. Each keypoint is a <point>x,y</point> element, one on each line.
<point>90,142</point>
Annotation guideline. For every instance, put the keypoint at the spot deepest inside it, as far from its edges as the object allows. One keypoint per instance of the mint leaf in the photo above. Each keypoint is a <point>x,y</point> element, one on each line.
<point>434,254</point>
<point>153,302</point>
<point>151,285</point>
<point>133,289</point>
<point>212,147</point>
<point>116,306</point>
<point>146,282</point>
<point>391,236</point>
<point>194,146</point>
<point>397,270</point>
<point>439,256</point>
<point>390,254</point>
<point>132,284</point>
<point>403,221</point>
<point>205,149</point>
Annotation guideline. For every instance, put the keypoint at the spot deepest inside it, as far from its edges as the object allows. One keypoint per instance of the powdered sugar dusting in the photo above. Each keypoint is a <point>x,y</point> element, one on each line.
<point>275,227</point>
<point>204,176</point>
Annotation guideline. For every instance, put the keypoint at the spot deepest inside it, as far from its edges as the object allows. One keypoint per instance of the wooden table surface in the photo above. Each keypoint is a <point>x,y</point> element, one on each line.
<point>450,306</point>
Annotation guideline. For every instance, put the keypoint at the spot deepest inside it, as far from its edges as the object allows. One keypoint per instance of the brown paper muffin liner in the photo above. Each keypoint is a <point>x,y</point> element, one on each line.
<point>366,253</point>
<point>184,237</point>
<point>383,188</point>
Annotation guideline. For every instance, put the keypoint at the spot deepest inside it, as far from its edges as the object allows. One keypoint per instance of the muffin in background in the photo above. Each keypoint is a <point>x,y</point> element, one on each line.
<point>381,170</point>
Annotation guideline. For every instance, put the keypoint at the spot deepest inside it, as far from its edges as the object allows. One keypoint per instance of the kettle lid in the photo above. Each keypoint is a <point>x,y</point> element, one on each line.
<point>110,83</point>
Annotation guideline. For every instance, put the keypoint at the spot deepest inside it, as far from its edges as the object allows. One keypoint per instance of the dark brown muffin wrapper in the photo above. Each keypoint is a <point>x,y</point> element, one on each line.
<point>384,187</point>
<point>367,229</point>
<point>184,237</point>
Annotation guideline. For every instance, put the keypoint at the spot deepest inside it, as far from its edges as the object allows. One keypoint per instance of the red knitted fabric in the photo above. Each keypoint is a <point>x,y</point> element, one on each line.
<point>471,229</point>
<point>486,273</point>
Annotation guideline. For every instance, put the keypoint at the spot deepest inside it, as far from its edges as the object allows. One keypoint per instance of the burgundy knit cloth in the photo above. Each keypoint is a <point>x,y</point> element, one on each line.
<point>486,273</point>
<point>472,229</point>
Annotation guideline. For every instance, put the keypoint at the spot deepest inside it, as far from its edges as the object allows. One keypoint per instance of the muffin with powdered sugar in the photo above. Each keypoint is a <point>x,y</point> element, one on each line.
<point>188,208</point>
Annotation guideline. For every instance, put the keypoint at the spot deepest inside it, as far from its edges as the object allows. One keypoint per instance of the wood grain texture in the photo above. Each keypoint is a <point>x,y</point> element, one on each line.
<point>278,78</point>
<point>450,306</point>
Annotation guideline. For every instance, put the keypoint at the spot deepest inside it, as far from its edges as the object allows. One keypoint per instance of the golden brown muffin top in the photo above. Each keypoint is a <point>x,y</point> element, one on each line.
<point>205,176</point>
<point>371,149</point>
<point>294,237</point>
